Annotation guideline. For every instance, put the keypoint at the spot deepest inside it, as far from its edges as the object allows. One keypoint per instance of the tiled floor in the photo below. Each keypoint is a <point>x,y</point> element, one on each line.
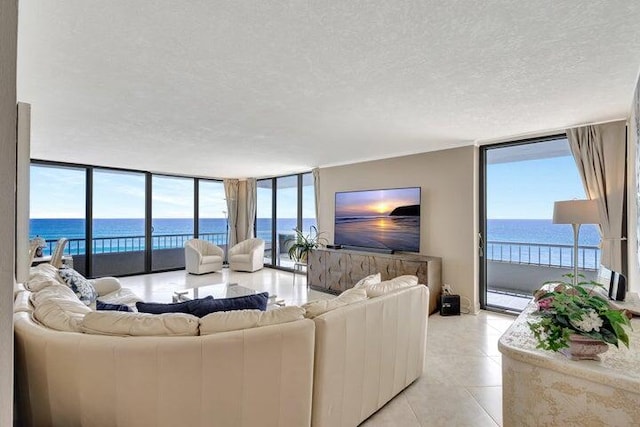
<point>462,383</point>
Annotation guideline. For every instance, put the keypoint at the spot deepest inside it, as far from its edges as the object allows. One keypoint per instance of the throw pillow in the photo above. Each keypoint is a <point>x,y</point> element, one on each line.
<point>225,321</point>
<point>350,296</point>
<point>201,308</point>
<point>105,306</point>
<point>161,308</point>
<point>78,284</point>
<point>369,280</point>
<point>388,286</point>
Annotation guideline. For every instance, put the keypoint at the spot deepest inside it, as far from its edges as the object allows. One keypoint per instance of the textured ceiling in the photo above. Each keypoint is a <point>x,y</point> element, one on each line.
<point>256,88</point>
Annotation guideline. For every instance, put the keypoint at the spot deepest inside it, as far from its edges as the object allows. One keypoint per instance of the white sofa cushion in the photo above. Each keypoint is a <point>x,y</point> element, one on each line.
<point>224,321</point>
<point>53,291</point>
<point>121,323</point>
<point>61,313</point>
<point>350,296</point>
<point>368,281</point>
<point>383,288</point>
<point>41,276</point>
<point>105,285</point>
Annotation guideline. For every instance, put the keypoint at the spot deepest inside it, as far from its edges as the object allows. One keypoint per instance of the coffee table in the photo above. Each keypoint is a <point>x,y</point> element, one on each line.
<point>221,290</point>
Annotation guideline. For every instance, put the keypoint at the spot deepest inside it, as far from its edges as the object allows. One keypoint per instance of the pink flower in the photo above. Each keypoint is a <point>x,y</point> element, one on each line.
<point>545,304</point>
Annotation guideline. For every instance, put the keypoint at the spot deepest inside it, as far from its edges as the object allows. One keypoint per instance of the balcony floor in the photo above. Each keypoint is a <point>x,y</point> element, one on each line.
<point>507,300</point>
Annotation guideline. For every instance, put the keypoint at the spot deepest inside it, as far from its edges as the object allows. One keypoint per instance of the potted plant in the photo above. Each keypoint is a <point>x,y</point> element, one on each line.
<point>576,320</point>
<point>300,245</point>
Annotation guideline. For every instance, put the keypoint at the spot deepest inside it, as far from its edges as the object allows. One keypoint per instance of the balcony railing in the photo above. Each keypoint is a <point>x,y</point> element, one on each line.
<point>543,254</point>
<point>105,245</point>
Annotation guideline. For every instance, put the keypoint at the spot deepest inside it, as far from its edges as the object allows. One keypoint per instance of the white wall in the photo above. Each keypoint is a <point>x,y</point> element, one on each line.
<point>8,46</point>
<point>448,179</point>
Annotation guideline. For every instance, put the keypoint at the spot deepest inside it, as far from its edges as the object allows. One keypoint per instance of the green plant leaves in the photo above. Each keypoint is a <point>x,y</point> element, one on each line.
<point>567,306</point>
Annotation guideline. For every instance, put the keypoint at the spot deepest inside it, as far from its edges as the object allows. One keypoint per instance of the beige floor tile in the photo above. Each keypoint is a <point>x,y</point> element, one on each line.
<point>490,398</point>
<point>463,370</point>
<point>452,343</point>
<point>440,405</point>
<point>395,413</point>
<point>501,322</point>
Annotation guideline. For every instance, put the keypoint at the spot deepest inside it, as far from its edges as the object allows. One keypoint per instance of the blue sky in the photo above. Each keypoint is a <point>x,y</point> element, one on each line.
<point>527,189</point>
<point>516,190</point>
<point>60,193</point>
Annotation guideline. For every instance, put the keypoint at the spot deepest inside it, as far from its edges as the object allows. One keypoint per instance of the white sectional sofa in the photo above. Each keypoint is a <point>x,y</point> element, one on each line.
<point>333,370</point>
<point>366,353</point>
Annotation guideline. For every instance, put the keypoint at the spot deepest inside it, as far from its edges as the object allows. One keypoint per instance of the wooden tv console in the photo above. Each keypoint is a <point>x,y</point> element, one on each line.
<point>335,270</point>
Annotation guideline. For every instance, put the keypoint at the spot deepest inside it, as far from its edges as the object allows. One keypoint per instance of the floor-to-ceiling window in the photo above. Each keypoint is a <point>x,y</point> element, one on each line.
<point>139,221</point>
<point>58,209</point>
<point>308,203</point>
<point>522,248</point>
<point>118,225</point>
<point>284,204</point>
<point>212,212</point>
<point>286,216</point>
<point>172,220</point>
<point>264,216</point>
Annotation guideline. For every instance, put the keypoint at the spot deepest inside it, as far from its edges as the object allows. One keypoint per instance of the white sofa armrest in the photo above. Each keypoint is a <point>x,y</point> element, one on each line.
<point>105,285</point>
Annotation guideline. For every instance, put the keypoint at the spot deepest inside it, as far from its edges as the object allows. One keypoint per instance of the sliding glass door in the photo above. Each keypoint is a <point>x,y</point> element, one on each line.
<point>522,248</point>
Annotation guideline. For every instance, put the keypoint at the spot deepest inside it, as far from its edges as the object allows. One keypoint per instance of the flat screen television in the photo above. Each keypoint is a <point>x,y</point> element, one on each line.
<point>379,219</point>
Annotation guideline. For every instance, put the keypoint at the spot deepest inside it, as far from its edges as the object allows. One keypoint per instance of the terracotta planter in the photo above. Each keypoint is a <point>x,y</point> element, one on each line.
<point>584,348</point>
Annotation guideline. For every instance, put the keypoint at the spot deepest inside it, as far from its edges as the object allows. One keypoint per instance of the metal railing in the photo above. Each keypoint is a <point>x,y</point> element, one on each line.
<point>105,245</point>
<point>543,254</point>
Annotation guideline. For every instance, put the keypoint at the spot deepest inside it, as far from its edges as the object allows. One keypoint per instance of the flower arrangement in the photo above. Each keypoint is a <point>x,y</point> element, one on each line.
<point>566,309</point>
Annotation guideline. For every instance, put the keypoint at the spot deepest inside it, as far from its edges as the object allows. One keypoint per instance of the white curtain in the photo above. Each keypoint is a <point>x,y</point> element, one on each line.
<point>600,154</point>
<point>316,192</point>
<point>231,194</point>
<point>250,212</point>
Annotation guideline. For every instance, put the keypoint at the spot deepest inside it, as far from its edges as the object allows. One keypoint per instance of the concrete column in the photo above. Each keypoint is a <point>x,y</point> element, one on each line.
<point>8,115</point>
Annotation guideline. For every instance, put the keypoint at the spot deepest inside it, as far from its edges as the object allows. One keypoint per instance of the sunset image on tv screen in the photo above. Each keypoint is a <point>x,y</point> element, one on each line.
<point>381,219</point>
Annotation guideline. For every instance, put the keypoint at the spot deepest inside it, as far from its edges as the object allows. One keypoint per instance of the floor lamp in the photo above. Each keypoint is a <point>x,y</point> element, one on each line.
<point>576,213</point>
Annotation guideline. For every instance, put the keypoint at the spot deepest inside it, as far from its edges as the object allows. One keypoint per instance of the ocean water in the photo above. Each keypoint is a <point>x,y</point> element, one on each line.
<point>504,230</point>
<point>133,230</point>
<point>539,231</point>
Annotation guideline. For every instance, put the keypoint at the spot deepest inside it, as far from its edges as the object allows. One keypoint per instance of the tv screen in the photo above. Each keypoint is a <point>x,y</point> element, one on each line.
<point>381,219</point>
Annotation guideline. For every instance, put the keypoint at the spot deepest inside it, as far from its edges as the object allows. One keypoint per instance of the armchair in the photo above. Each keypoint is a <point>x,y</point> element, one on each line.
<point>202,257</point>
<point>247,255</point>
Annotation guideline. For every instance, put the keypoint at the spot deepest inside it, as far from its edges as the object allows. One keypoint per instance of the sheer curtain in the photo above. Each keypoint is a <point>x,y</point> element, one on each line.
<point>252,197</point>
<point>600,154</point>
<point>231,194</point>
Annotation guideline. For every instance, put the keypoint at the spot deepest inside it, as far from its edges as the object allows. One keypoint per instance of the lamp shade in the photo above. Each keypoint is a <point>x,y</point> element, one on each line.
<point>576,212</point>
